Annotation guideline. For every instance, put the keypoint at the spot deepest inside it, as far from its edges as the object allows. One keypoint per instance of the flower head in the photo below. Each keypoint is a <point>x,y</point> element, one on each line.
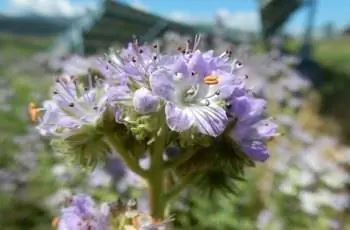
<point>83,214</point>
<point>192,90</point>
<point>72,106</point>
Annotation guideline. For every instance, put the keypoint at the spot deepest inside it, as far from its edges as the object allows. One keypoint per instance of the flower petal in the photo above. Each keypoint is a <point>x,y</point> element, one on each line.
<point>177,119</point>
<point>198,64</point>
<point>162,84</point>
<point>210,120</point>
<point>256,150</point>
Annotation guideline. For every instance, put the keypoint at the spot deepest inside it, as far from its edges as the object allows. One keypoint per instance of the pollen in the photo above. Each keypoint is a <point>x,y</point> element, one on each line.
<point>33,112</point>
<point>54,222</point>
<point>211,80</point>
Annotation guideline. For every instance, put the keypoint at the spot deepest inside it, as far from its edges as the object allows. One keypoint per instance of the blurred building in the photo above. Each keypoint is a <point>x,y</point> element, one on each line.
<point>346,31</point>
<point>114,22</point>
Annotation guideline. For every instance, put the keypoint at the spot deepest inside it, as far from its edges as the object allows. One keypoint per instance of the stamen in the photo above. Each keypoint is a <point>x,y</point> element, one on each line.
<point>211,80</point>
<point>71,104</point>
<point>187,49</point>
<point>217,93</point>
<point>197,39</point>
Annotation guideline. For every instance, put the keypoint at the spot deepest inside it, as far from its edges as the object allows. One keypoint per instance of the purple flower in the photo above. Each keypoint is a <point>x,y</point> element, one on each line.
<point>71,107</point>
<point>83,214</point>
<point>190,101</point>
<point>195,87</point>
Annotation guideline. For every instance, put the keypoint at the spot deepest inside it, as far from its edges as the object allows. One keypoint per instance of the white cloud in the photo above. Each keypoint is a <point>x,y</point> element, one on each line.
<point>245,20</point>
<point>138,4</point>
<point>64,8</point>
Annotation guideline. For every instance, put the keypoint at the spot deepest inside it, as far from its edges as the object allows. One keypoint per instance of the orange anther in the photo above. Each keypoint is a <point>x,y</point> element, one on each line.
<point>211,80</point>
<point>33,112</point>
<point>54,222</point>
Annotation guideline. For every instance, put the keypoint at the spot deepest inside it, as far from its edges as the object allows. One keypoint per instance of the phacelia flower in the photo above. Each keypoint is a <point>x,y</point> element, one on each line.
<point>72,106</point>
<point>83,214</point>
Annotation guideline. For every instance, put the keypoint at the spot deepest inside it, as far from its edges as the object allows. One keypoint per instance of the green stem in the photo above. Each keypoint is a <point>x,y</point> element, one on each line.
<point>156,178</point>
<point>116,144</point>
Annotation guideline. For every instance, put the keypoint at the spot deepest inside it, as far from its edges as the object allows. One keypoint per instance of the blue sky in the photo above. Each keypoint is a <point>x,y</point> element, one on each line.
<point>238,13</point>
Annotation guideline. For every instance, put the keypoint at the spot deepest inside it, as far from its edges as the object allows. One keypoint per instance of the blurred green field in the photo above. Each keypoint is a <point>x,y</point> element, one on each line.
<point>26,45</point>
<point>22,86</point>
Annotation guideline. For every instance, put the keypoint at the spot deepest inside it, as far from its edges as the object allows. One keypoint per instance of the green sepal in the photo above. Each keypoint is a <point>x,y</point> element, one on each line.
<point>222,159</point>
<point>86,146</point>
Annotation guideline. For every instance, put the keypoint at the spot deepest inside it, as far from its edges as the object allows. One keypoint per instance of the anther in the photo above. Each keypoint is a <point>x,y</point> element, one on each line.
<point>95,108</point>
<point>33,112</point>
<point>155,57</point>
<point>238,64</point>
<point>55,92</point>
<point>71,104</point>
<point>140,51</point>
<point>211,80</point>
<point>155,46</point>
<point>133,59</point>
<point>54,222</point>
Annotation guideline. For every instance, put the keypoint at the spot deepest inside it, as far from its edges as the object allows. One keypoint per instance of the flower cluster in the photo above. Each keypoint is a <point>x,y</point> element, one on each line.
<point>81,212</point>
<point>196,91</point>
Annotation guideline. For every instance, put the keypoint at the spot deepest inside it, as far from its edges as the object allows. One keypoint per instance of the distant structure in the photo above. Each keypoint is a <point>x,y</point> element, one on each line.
<point>275,13</point>
<point>346,31</point>
<point>113,22</point>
